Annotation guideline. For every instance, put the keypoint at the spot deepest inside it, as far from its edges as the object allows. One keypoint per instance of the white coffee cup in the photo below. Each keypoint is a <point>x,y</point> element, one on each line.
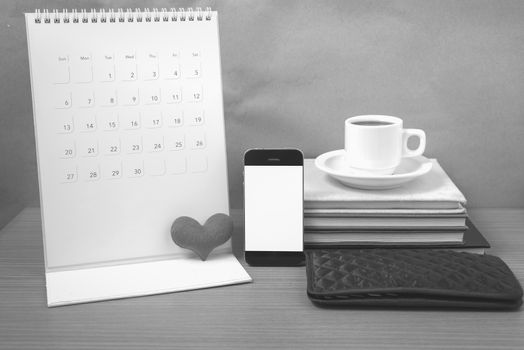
<point>375,144</point>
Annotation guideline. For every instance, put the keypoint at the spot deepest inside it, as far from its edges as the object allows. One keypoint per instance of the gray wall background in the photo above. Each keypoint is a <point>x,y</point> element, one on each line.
<point>294,70</point>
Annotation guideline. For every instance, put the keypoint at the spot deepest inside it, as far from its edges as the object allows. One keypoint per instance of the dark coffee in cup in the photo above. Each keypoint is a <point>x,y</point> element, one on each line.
<point>371,123</point>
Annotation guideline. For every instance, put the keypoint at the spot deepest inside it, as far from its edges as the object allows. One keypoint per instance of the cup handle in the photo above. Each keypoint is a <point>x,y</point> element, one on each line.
<point>407,133</point>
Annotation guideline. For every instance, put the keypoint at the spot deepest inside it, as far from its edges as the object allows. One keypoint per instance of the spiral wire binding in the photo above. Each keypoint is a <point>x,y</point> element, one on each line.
<point>121,15</point>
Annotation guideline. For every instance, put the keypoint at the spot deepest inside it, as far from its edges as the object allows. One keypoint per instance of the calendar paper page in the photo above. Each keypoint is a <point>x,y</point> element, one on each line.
<point>130,135</point>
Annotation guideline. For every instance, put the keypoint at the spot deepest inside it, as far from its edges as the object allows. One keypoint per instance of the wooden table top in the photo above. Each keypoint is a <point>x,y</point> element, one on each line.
<point>271,312</point>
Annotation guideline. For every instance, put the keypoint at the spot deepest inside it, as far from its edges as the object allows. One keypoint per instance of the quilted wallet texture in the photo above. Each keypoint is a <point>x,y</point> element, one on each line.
<point>410,278</point>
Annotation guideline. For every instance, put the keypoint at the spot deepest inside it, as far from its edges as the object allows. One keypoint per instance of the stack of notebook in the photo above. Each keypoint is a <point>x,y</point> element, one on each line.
<point>427,212</point>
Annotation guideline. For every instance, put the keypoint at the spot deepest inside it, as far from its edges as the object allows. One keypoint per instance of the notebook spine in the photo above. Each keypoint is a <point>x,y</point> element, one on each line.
<point>121,15</point>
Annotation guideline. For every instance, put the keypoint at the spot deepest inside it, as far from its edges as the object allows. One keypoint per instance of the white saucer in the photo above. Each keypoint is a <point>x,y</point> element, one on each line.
<point>333,164</point>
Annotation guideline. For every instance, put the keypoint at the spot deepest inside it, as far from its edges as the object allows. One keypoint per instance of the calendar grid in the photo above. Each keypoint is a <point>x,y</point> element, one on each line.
<point>91,138</point>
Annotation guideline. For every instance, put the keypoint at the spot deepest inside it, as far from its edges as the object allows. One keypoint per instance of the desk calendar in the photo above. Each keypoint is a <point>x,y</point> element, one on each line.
<point>130,135</point>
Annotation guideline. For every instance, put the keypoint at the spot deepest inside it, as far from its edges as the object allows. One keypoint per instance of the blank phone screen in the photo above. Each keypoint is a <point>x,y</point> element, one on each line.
<point>273,199</point>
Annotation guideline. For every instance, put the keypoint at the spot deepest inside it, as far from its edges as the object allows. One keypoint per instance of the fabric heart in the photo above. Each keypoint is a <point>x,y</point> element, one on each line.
<point>189,234</point>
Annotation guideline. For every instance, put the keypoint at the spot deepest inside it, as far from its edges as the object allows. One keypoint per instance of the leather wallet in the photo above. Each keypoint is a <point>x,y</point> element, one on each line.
<point>410,278</point>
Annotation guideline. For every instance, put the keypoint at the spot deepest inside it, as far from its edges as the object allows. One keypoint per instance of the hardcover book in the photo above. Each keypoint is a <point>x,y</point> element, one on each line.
<point>434,190</point>
<point>472,240</point>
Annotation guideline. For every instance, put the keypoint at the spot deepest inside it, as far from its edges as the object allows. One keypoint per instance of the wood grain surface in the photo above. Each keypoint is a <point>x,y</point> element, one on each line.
<point>271,312</point>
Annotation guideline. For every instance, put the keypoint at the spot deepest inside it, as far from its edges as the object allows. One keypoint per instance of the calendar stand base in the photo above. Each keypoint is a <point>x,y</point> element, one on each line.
<point>139,279</point>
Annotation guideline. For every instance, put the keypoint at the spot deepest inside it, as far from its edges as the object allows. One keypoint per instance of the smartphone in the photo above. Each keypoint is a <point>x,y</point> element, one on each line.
<point>273,205</point>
